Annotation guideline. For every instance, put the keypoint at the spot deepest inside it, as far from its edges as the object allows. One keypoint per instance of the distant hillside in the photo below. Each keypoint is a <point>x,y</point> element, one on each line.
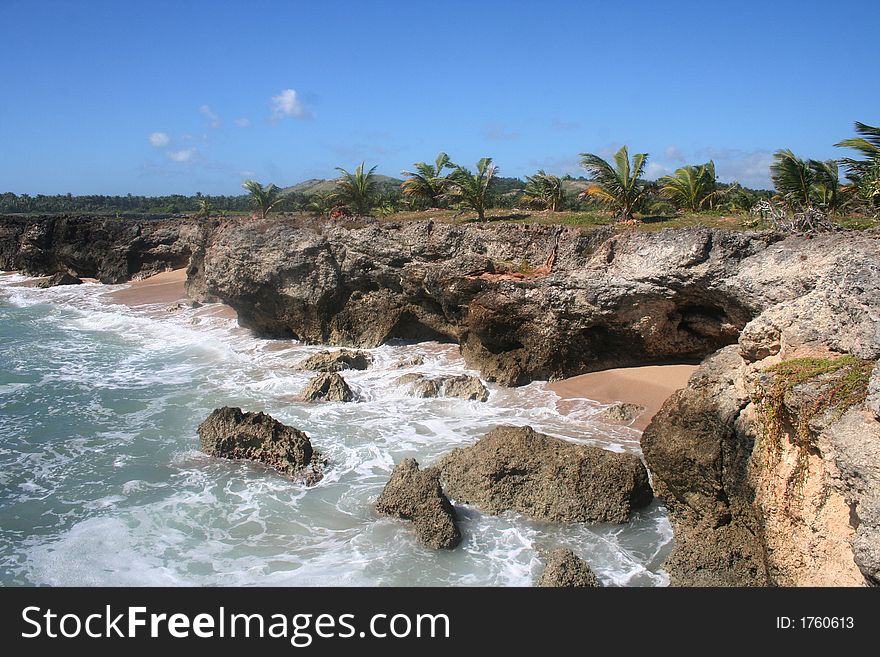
<point>315,186</point>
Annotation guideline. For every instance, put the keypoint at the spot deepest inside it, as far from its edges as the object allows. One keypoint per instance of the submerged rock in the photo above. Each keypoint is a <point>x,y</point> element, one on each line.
<point>519,469</point>
<point>336,361</point>
<point>61,278</point>
<point>411,361</point>
<point>623,412</point>
<point>230,433</point>
<point>329,387</point>
<point>565,569</point>
<point>461,386</point>
<point>416,495</point>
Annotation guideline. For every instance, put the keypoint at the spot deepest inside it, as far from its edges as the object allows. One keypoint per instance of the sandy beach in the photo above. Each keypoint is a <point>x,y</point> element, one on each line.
<point>648,386</point>
<point>166,287</point>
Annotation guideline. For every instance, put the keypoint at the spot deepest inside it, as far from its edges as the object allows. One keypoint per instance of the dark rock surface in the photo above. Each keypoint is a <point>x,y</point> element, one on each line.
<point>328,387</point>
<point>461,386</point>
<point>233,434</point>
<point>565,569</point>
<point>61,278</point>
<point>545,478</point>
<point>414,494</point>
<point>336,361</point>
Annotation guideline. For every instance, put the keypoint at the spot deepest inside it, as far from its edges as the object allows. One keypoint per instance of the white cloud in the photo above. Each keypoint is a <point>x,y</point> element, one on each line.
<point>159,139</point>
<point>247,174</point>
<point>673,154</point>
<point>656,169</point>
<point>183,155</point>
<point>749,168</point>
<point>288,104</point>
<point>242,122</point>
<point>210,115</point>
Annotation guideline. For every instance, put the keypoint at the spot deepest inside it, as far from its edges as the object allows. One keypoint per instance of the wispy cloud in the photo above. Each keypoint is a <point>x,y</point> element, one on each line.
<point>287,104</point>
<point>212,117</point>
<point>564,126</point>
<point>159,139</point>
<point>749,168</point>
<point>673,154</point>
<point>656,169</point>
<point>499,133</point>
<point>242,122</point>
<point>183,155</point>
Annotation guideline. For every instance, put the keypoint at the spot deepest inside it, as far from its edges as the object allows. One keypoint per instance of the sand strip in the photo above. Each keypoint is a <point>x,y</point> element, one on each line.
<point>166,287</point>
<point>648,386</point>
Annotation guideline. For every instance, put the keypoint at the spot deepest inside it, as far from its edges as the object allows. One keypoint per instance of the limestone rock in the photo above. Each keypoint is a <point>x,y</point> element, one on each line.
<point>565,569</point>
<point>462,386</point>
<point>61,278</point>
<point>414,494</point>
<point>336,361</point>
<point>623,412</point>
<point>544,478</point>
<point>329,387</point>
<point>230,433</point>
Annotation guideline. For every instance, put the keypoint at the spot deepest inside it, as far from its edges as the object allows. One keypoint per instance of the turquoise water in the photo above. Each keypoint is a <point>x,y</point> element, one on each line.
<point>101,480</point>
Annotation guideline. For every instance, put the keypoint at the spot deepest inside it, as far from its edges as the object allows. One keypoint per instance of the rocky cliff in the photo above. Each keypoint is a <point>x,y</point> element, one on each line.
<point>763,486</point>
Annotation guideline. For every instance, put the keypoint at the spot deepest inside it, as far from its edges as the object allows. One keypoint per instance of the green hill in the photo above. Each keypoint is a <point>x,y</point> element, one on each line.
<point>315,186</point>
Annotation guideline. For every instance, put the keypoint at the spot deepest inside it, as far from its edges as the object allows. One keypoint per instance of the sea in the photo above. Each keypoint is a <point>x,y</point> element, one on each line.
<point>102,481</point>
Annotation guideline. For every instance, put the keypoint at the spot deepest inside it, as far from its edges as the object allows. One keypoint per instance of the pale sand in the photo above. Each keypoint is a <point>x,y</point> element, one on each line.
<point>166,287</point>
<point>648,386</point>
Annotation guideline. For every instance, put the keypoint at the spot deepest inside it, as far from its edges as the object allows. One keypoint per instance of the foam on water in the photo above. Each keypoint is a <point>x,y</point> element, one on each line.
<point>102,482</point>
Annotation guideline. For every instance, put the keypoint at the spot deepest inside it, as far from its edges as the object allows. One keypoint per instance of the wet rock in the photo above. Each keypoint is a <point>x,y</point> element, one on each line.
<point>411,361</point>
<point>329,387</point>
<point>545,478</point>
<point>336,361</point>
<point>414,494</point>
<point>623,412</point>
<point>230,433</point>
<point>565,569</point>
<point>61,278</point>
<point>461,386</point>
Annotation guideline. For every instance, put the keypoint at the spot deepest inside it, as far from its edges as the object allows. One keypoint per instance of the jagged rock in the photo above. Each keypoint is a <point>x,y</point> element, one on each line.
<point>873,400</point>
<point>336,361</point>
<point>545,478</point>
<point>623,412</point>
<point>461,386</point>
<point>565,569</point>
<point>411,361</point>
<point>416,495</point>
<point>329,387</point>
<point>61,278</point>
<point>230,433</point>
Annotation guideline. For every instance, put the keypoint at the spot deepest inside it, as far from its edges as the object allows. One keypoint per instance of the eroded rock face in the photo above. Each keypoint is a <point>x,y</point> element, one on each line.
<point>230,433</point>
<point>328,387</point>
<point>461,386</point>
<point>565,569</point>
<point>336,361</point>
<point>519,469</point>
<point>414,494</point>
<point>61,278</point>
<point>623,412</point>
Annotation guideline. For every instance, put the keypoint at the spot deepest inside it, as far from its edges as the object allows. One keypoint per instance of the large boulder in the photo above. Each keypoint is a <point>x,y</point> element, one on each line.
<point>336,361</point>
<point>61,278</point>
<point>414,494</point>
<point>328,387</point>
<point>230,433</point>
<point>461,386</point>
<point>565,569</point>
<point>545,478</point>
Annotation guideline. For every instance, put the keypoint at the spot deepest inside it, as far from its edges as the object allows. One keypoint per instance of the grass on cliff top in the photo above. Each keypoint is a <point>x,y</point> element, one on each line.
<point>844,380</point>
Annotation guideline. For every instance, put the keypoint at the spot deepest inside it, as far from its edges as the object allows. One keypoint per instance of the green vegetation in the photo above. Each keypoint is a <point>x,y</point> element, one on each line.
<point>619,186</point>
<point>805,184</point>
<point>691,187</point>
<point>864,175</point>
<point>544,192</point>
<point>471,191</point>
<point>425,185</point>
<point>206,208</point>
<point>357,191</point>
<point>263,198</point>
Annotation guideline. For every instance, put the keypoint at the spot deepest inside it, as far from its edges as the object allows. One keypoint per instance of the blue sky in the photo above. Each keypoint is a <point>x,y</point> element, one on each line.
<point>178,97</point>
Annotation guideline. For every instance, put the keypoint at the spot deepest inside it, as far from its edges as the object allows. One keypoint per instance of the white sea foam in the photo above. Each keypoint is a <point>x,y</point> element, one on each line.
<point>104,462</point>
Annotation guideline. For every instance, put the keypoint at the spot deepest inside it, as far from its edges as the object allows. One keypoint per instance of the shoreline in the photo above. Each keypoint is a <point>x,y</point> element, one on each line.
<point>648,386</point>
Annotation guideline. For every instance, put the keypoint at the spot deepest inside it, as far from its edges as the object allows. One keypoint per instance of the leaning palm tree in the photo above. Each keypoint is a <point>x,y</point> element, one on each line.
<point>205,208</point>
<point>471,190</point>
<point>544,190</point>
<point>619,186</point>
<point>826,190</point>
<point>691,187</point>
<point>263,198</point>
<point>804,184</point>
<point>868,144</point>
<point>425,184</point>
<point>357,190</point>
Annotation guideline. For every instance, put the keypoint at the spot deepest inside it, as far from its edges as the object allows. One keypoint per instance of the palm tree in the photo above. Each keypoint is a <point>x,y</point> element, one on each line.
<point>545,190</point>
<point>864,174</point>
<point>471,190</point>
<point>803,184</point>
<point>425,184</point>
<point>620,186</point>
<point>691,187</point>
<point>263,198</point>
<point>205,208</point>
<point>357,190</point>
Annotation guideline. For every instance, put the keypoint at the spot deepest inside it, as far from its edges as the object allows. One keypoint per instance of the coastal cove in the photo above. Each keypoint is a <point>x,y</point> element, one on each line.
<point>104,385</point>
